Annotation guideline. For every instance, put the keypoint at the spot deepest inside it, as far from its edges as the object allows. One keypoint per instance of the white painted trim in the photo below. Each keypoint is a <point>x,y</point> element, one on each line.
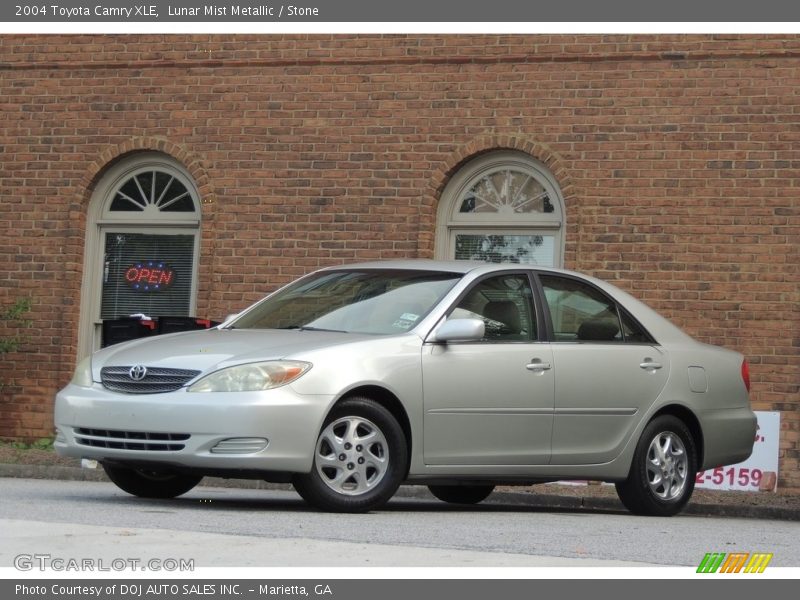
<point>99,221</point>
<point>448,219</point>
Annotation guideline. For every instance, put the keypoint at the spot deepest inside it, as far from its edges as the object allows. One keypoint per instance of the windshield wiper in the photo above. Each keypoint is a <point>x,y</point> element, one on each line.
<point>309,328</point>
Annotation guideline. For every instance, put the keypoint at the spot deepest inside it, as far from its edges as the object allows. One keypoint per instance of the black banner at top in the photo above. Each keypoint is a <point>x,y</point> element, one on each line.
<point>391,11</point>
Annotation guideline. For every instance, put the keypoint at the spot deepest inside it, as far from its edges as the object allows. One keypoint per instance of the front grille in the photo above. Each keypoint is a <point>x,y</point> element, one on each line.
<point>130,440</point>
<point>156,381</point>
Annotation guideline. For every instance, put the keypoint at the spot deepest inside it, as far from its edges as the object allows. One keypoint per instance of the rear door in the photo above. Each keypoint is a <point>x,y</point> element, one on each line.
<point>608,371</point>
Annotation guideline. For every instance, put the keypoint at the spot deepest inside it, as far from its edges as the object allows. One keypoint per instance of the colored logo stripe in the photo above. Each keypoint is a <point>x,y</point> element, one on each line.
<point>711,562</point>
<point>734,562</point>
<point>758,562</point>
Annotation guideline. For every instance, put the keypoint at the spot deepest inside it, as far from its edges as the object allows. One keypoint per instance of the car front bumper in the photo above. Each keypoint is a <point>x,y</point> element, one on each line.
<point>271,431</point>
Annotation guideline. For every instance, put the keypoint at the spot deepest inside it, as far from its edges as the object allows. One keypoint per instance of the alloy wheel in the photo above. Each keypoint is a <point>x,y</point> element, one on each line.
<point>667,466</point>
<point>352,455</point>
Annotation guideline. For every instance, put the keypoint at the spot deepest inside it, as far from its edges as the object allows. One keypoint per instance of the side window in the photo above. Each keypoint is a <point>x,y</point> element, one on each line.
<point>634,334</point>
<point>505,304</point>
<point>581,313</point>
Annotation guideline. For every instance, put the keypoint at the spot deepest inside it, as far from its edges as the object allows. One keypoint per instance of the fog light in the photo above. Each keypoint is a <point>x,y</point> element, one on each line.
<point>240,446</point>
<point>60,436</point>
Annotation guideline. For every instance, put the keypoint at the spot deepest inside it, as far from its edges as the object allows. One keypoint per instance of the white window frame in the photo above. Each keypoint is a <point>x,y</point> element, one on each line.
<point>100,221</point>
<point>451,222</point>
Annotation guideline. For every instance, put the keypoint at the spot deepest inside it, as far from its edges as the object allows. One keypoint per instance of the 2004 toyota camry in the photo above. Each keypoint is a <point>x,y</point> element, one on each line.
<point>460,376</point>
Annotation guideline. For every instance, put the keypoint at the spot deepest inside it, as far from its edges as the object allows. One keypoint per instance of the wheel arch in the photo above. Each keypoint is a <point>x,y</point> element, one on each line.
<point>691,421</point>
<point>391,403</point>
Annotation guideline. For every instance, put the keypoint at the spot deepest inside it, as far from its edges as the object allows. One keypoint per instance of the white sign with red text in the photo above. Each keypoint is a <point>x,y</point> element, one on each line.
<point>757,473</point>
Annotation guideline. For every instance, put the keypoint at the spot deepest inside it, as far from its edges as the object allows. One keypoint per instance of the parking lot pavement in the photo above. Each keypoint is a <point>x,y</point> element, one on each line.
<point>753,505</point>
<point>221,550</point>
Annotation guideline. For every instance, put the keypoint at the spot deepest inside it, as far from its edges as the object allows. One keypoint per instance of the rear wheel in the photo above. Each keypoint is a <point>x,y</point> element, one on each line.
<point>147,483</point>
<point>360,459</point>
<point>662,475</point>
<point>461,494</point>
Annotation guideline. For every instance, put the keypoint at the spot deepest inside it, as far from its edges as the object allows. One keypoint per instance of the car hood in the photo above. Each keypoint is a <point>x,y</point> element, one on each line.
<point>217,348</point>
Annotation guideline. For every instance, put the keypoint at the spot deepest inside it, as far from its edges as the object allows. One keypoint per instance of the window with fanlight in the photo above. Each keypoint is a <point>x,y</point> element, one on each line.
<point>502,207</point>
<point>142,244</point>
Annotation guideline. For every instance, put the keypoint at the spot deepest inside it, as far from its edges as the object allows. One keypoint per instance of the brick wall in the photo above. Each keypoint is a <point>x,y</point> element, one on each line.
<point>677,156</point>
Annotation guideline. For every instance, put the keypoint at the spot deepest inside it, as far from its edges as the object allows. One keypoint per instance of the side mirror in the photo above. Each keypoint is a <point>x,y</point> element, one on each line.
<point>460,330</point>
<point>229,318</point>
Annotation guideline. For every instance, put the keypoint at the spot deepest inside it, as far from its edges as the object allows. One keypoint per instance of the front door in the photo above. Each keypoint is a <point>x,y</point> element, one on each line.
<point>490,402</point>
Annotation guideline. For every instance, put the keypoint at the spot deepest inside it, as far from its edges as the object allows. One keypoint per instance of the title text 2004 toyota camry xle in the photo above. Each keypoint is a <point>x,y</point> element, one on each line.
<point>460,376</point>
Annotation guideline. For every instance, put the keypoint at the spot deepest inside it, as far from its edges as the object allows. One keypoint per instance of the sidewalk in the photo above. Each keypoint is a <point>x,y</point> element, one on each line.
<point>41,464</point>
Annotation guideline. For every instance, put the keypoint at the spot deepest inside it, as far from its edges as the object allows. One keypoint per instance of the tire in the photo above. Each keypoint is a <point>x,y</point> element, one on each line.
<point>151,484</point>
<point>360,459</point>
<point>461,494</point>
<point>660,484</point>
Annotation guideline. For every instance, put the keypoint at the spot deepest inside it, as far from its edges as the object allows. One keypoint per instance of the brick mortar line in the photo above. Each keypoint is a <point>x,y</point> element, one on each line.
<point>405,60</point>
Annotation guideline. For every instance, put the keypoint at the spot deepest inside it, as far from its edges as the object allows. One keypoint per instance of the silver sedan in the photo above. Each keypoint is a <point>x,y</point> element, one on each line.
<point>460,376</point>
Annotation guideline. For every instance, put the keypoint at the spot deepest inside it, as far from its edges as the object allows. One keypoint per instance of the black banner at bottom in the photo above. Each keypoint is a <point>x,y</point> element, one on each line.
<point>385,589</point>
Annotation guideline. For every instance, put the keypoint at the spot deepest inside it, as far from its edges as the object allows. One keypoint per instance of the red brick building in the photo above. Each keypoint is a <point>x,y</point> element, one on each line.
<point>669,164</point>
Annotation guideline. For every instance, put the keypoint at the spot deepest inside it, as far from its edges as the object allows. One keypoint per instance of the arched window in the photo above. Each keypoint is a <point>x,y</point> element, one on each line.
<point>502,207</point>
<point>142,244</point>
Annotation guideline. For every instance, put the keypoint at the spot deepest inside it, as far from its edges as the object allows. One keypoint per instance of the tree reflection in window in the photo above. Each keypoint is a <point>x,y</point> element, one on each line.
<point>497,248</point>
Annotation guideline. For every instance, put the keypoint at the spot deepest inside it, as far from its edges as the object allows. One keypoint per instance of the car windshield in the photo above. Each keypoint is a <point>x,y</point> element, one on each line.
<point>376,301</point>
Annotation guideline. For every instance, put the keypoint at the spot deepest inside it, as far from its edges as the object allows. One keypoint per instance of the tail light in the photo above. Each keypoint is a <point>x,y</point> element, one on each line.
<point>746,374</point>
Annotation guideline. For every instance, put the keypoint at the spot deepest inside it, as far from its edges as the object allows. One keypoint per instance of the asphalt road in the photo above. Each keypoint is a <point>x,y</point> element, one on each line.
<point>237,527</point>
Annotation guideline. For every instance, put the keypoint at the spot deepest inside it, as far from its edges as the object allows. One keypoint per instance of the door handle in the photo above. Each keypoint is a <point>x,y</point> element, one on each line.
<point>649,365</point>
<point>538,366</point>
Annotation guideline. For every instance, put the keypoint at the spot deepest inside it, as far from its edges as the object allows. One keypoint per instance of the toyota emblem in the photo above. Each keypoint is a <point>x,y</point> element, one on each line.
<point>138,372</point>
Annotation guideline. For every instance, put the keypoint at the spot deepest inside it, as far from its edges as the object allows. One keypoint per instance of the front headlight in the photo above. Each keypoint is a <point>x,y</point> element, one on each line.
<point>83,373</point>
<point>252,377</point>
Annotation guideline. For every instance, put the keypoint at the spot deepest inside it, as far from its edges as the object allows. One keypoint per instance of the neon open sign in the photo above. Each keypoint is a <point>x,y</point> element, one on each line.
<point>150,276</point>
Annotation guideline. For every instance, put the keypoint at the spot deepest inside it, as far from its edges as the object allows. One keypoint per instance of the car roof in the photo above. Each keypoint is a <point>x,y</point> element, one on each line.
<point>447,266</point>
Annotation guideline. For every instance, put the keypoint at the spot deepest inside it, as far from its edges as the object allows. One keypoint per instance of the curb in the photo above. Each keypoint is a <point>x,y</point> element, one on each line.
<point>531,500</point>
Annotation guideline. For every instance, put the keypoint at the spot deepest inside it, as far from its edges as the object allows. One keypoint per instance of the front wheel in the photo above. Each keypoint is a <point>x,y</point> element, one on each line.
<point>461,494</point>
<point>147,483</point>
<point>360,459</point>
<point>662,476</point>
